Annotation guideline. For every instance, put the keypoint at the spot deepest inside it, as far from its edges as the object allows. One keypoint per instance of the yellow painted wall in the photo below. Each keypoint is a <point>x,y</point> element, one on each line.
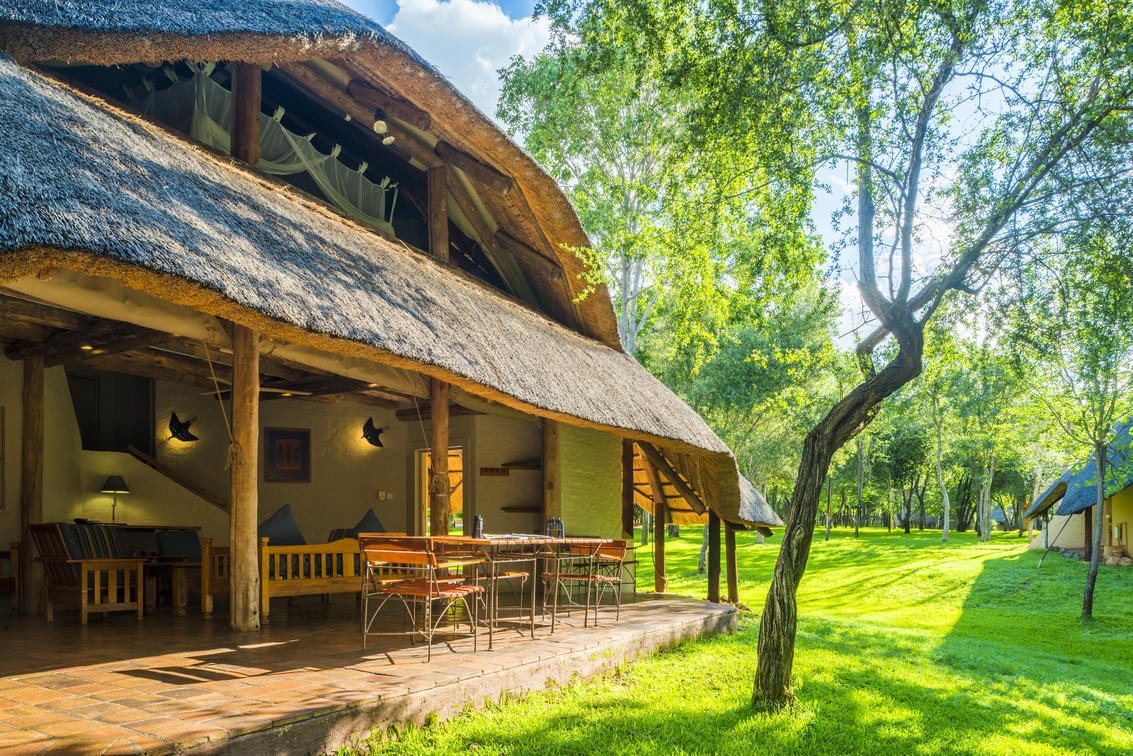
<point>592,482</point>
<point>1063,534</point>
<point>1121,513</point>
<point>346,472</point>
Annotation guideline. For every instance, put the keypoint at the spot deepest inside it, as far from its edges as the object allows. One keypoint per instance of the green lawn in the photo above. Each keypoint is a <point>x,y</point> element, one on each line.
<point>905,646</point>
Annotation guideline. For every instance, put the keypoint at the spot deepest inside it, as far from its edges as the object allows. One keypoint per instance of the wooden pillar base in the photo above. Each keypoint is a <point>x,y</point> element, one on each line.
<point>713,557</point>
<point>730,561</point>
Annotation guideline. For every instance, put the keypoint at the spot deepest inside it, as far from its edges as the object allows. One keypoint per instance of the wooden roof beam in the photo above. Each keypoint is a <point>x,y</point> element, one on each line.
<point>516,247</point>
<point>657,459</point>
<point>307,77</point>
<point>426,412</point>
<point>367,94</point>
<point>100,337</point>
<point>34,313</point>
<point>475,169</point>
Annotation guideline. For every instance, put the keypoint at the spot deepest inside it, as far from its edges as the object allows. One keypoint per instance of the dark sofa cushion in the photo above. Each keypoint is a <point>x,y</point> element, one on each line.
<point>98,541</point>
<point>369,523</point>
<point>137,542</point>
<point>181,543</point>
<point>281,529</point>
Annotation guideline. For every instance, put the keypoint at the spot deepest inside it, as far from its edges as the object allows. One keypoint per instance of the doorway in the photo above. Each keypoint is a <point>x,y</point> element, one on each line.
<point>456,514</point>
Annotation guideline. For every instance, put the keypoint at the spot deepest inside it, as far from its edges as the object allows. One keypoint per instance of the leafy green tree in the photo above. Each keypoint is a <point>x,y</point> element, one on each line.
<point>1074,338</point>
<point>882,86</point>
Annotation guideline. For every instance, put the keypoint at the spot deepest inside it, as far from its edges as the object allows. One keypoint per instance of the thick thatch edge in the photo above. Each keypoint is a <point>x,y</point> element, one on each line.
<point>721,466</point>
<point>380,51</point>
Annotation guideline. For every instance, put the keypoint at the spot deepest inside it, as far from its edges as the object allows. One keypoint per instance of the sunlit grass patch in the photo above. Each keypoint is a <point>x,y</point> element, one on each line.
<point>905,646</point>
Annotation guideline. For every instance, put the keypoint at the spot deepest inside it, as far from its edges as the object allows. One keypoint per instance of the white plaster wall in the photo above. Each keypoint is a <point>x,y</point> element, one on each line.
<point>592,482</point>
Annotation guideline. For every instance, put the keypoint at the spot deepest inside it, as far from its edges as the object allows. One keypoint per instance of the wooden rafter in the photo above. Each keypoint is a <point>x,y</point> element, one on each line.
<point>367,94</point>
<point>474,168</point>
<point>426,411</point>
<point>100,337</point>
<point>25,311</point>
<point>547,265</point>
<point>364,114</point>
<point>658,460</point>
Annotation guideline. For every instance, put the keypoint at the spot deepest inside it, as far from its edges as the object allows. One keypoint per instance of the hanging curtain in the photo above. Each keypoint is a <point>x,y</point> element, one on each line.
<point>203,109</point>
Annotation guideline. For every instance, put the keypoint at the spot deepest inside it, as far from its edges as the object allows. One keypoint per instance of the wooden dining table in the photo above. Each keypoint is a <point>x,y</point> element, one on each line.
<point>522,548</point>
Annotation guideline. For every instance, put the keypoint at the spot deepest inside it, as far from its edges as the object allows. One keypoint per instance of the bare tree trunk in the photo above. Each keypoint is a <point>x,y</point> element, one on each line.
<point>1034,495</point>
<point>940,480</point>
<point>861,475</point>
<point>985,502</point>
<point>829,483</point>
<point>646,521</point>
<point>1100,452</point>
<point>700,567</point>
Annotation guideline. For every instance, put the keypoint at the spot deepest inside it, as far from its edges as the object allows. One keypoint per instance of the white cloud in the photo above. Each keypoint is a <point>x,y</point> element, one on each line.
<point>468,41</point>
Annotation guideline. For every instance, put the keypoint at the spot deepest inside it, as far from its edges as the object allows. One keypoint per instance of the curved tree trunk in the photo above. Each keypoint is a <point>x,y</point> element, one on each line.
<point>940,482</point>
<point>1100,452</point>
<point>861,476</point>
<point>778,623</point>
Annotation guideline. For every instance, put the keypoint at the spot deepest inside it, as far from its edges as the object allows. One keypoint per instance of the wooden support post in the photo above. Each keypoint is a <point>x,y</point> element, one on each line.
<point>552,471</point>
<point>31,481</point>
<point>713,557</point>
<point>658,495</point>
<point>730,562</point>
<point>660,579</point>
<point>244,576</point>
<point>438,445</point>
<point>438,212</point>
<point>245,132</point>
<point>627,489</point>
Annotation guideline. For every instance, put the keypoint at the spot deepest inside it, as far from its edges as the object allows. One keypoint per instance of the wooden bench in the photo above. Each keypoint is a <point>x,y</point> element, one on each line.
<point>81,561</point>
<point>318,569</point>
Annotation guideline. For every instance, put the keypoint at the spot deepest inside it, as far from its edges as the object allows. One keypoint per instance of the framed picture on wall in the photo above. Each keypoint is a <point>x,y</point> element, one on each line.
<point>288,455</point>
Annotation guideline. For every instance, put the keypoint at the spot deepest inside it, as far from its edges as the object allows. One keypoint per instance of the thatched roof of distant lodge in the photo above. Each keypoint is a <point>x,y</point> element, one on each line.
<point>88,188</point>
<point>1077,489</point>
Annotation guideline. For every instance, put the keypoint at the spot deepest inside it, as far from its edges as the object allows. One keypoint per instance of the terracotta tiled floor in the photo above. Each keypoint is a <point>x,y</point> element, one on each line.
<point>174,683</point>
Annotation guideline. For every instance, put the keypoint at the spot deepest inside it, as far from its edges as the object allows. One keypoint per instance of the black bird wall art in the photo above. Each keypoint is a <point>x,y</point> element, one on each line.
<point>371,433</point>
<point>179,429</point>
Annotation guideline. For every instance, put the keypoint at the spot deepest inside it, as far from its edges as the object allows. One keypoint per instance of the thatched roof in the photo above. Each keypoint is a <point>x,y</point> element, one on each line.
<point>283,31</point>
<point>88,188</point>
<point>1077,489</point>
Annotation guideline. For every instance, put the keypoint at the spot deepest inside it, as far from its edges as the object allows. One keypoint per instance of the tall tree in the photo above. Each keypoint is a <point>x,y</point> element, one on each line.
<point>1077,345</point>
<point>1042,89</point>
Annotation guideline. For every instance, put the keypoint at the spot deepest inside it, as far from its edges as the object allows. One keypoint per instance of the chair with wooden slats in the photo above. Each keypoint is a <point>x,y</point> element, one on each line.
<point>410,571</point>
<point>79,562</point>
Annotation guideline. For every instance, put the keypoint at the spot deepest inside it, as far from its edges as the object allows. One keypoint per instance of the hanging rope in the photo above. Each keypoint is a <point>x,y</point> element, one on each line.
<point>234,455</point>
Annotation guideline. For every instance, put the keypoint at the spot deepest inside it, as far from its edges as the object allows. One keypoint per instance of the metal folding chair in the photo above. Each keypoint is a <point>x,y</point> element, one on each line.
<point>408,570</point>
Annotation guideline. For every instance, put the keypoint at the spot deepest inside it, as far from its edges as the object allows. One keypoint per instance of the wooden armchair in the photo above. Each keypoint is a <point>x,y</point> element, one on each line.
<point>103,583</point>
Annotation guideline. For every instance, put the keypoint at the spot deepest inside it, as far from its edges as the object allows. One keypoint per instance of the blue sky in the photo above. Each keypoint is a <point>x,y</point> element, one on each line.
<point>383,11</point>
<point>467,40</point>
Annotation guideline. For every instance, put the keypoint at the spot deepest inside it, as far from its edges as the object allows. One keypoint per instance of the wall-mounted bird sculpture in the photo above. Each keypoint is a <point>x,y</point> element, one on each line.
<point>179,429</point>
<point>371,433</point>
